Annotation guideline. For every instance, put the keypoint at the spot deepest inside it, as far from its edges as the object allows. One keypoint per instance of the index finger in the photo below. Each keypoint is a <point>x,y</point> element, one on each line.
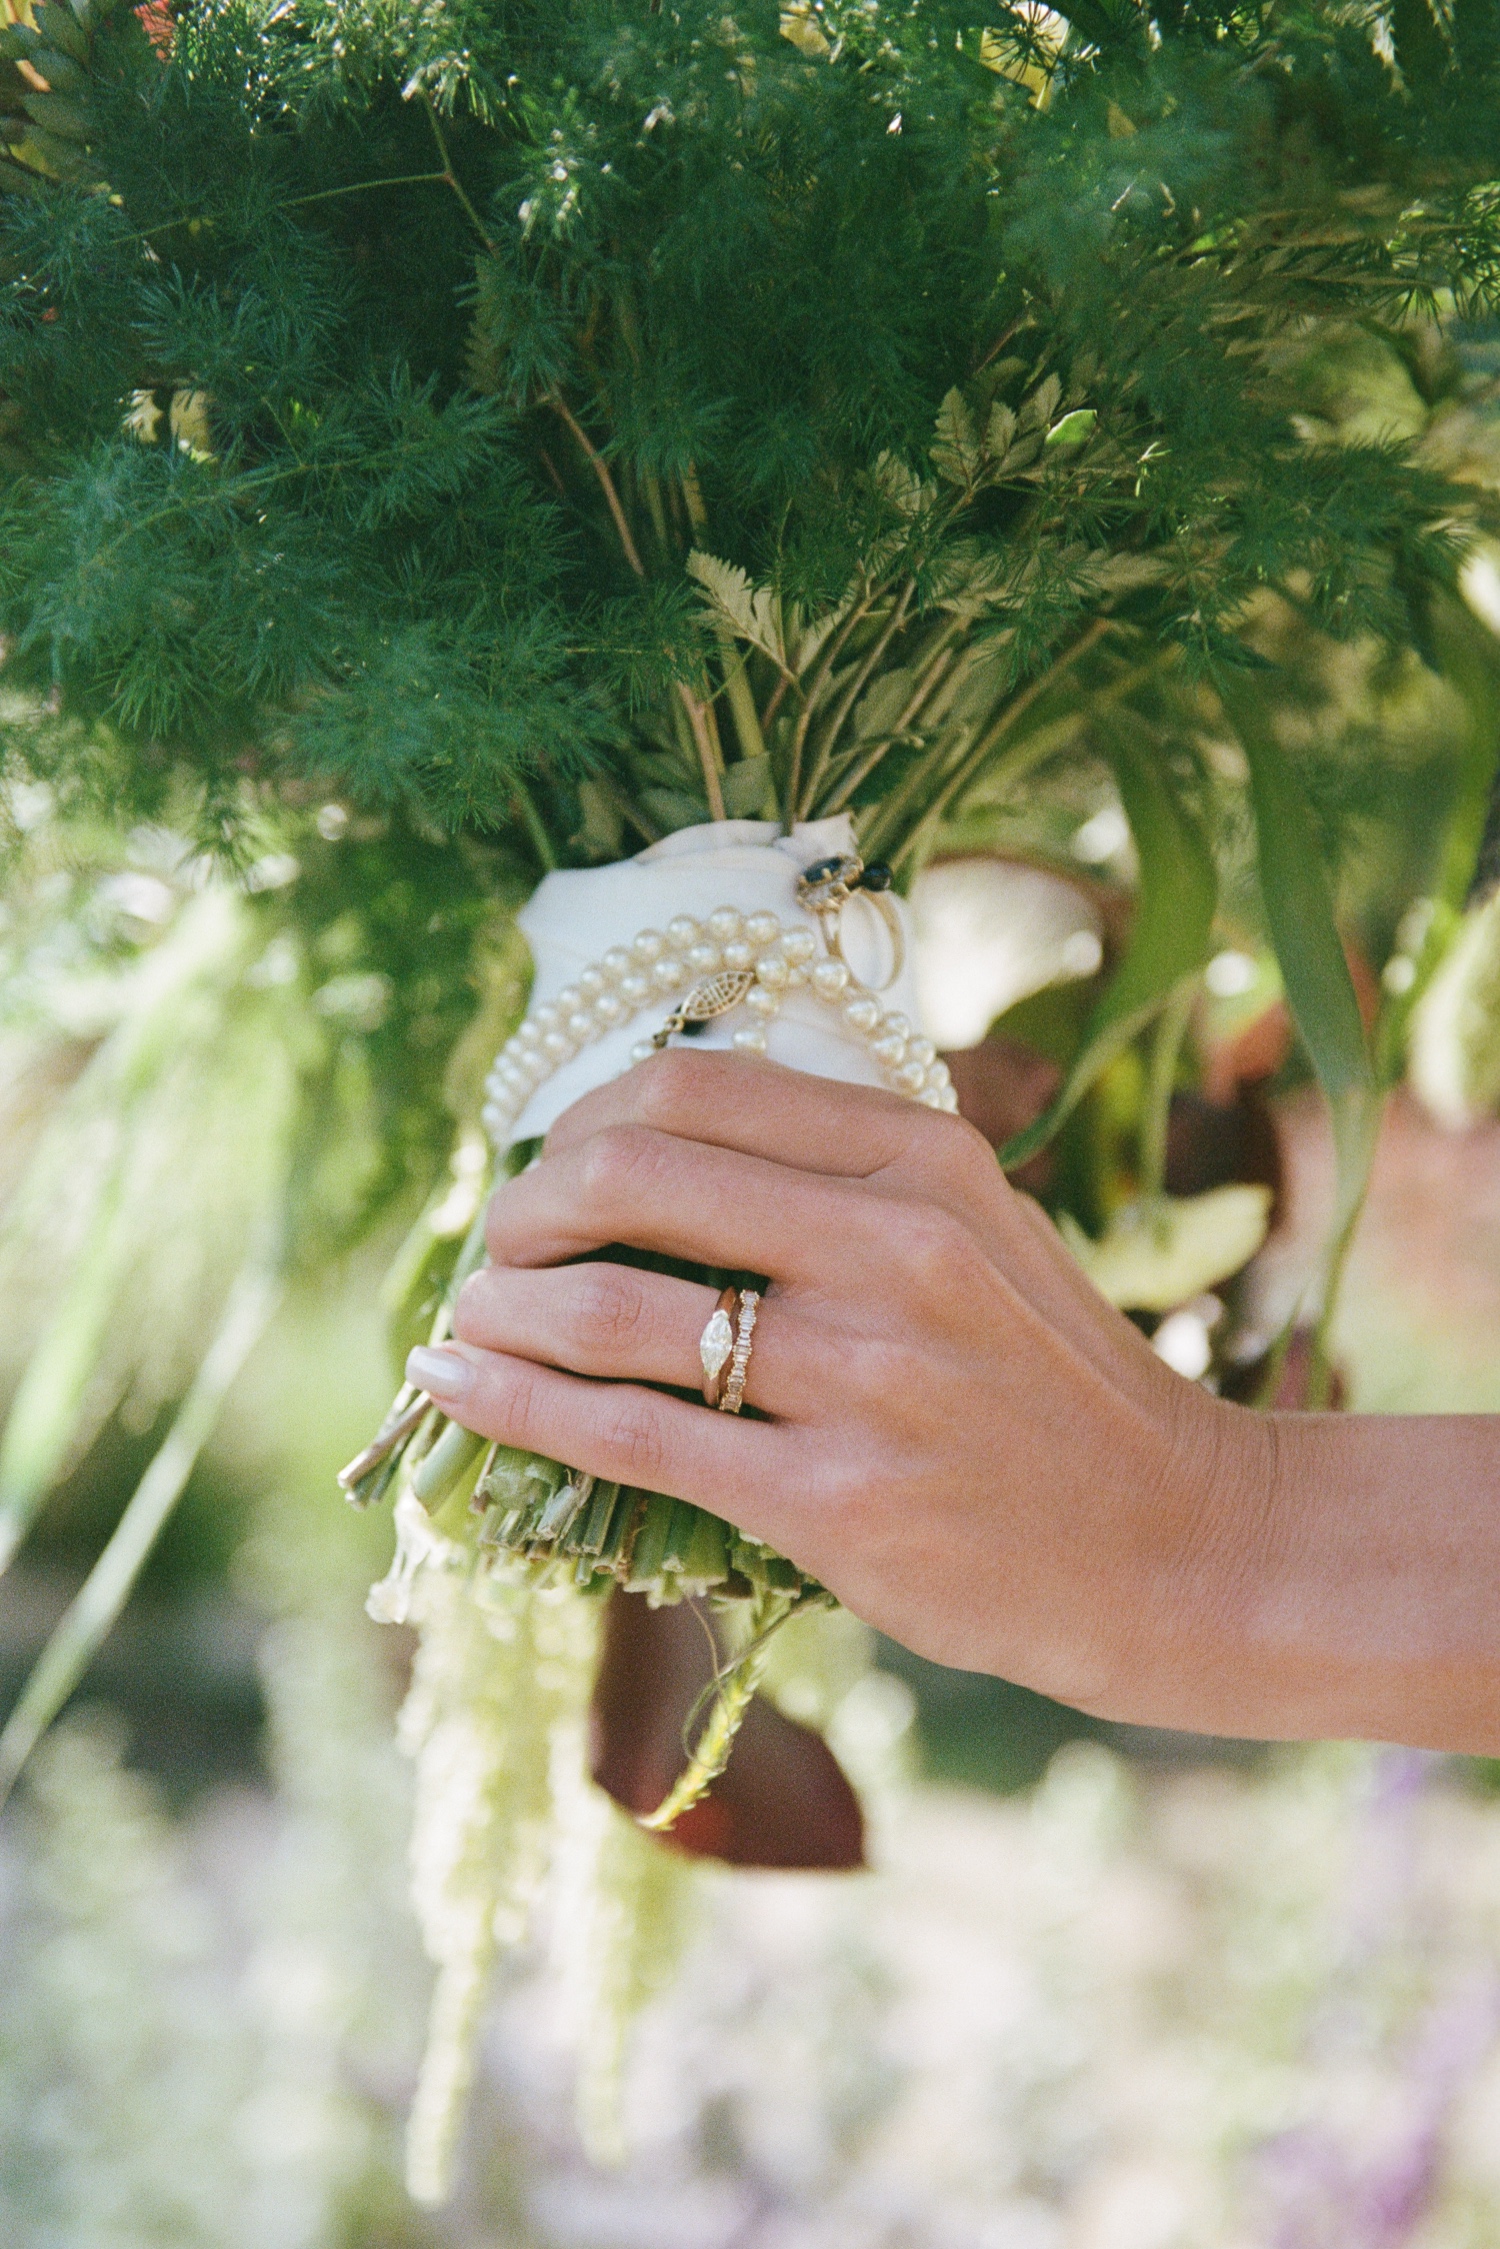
<point>758,1108</point>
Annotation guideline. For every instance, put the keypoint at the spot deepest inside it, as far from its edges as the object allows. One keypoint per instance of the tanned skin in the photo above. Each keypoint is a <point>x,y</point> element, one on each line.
<point>961,1439</point>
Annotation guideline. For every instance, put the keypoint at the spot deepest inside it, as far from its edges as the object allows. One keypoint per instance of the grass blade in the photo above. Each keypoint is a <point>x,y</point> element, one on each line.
<point>45,1412</point>
<point>73,1644</point>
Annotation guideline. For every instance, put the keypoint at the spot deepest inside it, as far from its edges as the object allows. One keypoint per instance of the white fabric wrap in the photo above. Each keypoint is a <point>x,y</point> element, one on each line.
<point>574,917</point>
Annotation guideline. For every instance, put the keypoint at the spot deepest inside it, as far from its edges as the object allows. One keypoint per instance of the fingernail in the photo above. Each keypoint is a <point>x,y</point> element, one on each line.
<point>442,1374</point>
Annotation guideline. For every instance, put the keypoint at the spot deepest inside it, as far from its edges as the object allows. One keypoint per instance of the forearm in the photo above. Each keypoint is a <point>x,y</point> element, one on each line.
<point>958,1437</point>
<point>1349,1586</point>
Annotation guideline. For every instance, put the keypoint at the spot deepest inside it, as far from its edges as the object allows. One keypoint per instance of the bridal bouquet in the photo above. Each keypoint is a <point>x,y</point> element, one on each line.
<point>710,464</point>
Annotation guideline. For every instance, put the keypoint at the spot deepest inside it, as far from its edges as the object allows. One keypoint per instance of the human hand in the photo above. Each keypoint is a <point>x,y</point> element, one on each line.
<point>962,1440</point>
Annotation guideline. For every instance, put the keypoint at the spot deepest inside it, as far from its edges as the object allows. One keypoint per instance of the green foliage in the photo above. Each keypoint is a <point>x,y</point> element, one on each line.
<point>1170,940</point>
<point>365,427</point>
<point>543,427</point>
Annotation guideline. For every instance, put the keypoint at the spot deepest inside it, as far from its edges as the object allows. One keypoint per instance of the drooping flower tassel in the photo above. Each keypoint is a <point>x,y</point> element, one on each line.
<point>732,1691</point>
<point>502,1672</point>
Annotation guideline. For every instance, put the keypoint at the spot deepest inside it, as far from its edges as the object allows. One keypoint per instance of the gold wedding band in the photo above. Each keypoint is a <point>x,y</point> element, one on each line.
<point>832,920</point>
<point>734,1381</point>
<point>826,888</point>
<point>716,1346</point>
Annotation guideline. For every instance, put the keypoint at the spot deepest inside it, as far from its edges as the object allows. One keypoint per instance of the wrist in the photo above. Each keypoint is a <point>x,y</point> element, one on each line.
<point>1206,1544</point>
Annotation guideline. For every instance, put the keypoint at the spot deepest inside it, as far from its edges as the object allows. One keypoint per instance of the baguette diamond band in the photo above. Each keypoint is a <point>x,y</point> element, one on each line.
<point>734,1383</point>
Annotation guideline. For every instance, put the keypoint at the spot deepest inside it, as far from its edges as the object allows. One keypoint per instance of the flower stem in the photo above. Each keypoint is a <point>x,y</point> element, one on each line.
<point>697,720</point>
<point>600,468</point>
<point>450,178</point>
<point>1171,1028</point>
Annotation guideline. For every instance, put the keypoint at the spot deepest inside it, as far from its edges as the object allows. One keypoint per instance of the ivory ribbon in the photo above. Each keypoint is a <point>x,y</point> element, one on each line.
<point>573,917</point>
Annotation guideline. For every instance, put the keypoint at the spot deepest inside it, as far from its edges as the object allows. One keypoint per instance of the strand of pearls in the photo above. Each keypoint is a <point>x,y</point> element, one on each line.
<point>658,965</point>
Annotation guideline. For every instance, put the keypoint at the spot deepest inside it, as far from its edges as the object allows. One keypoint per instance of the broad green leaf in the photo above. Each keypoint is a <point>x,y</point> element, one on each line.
<point>749,790</point>
<point>896,483</point>
<point>957,454</point>
<point>19,180</point>
<point>1175,903</point>
<point>61,28</point>
<point>1470,661</point>
<point>1455,1033</point>
<point>1299,914</point>
<point>882,703</point>
<point>1037,410</point>
<point>1073,429</point>
<point>1001,430</point>
<point>1155,1255</point>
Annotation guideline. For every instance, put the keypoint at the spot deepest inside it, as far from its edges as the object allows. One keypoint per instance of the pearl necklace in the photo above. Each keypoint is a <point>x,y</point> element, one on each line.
<point>765,960</point>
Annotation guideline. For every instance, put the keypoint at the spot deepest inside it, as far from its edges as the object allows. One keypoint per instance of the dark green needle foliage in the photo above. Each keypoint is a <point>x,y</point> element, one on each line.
<point>367,373</point>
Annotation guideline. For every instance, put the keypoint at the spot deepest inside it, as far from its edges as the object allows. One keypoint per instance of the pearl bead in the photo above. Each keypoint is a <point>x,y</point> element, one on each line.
<point>626,978</point>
